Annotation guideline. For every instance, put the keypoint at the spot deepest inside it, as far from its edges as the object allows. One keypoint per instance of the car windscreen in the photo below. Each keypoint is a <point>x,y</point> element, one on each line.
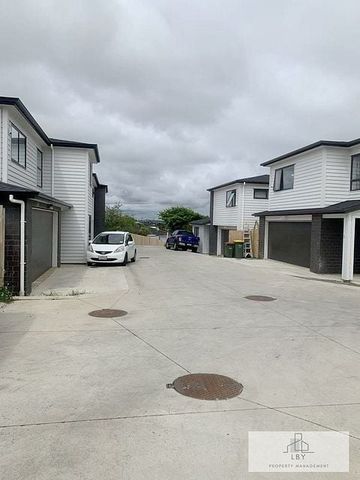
<point>183,232</point>
<point>109,239</point>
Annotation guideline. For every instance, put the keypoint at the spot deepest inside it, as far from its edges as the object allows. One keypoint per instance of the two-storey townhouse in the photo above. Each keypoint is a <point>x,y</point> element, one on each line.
<point>50,196</point>
<point>232,206</point>
<point>313,215</point>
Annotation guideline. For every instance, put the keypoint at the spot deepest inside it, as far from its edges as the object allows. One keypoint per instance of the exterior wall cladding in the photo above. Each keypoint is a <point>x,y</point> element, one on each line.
<point>326,245</point>
<point>12,247</point>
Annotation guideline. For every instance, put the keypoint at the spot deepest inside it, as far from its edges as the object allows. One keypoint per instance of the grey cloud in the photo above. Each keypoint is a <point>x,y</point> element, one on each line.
<point>183,95</point>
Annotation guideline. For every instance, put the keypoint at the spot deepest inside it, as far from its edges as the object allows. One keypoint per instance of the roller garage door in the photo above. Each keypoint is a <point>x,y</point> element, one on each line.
<point>42,242</point>
<point>290,242</point>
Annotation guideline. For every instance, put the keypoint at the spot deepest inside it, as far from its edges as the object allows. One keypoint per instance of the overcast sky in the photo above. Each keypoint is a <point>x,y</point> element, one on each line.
<point>182,95</point>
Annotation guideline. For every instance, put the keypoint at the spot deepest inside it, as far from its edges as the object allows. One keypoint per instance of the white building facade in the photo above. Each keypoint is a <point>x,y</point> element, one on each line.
<point>312,218</point>
<point>47,188</point>
<point>232,206</point>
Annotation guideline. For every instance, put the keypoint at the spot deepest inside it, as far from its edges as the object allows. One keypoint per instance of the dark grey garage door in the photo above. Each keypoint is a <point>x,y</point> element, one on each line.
<point>42,236</point>
<point>290,242</point>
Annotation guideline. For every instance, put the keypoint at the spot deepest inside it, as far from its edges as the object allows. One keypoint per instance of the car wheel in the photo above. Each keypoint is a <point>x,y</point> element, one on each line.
<point>134,258</point>
<point>124,263</point>
<point>89,264</point>
<point>194,249</point>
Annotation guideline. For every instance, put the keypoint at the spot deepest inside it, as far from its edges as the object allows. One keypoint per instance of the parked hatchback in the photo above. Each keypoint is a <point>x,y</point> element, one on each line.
<point>112,247</point>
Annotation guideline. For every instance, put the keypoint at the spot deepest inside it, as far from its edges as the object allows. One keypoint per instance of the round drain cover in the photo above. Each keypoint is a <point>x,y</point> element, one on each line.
<point>207,386</point>
<point>260,298</point>
<point>107,313</point>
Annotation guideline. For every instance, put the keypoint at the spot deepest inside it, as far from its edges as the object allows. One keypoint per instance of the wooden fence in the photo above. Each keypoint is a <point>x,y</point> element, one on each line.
<point>153,241</point>
<point>2,244</point>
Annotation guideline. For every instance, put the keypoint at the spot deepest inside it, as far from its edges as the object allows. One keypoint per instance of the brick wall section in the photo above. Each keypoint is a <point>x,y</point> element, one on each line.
<point>12,247</point>
<point>331,245</point>
<point>315,248</point>
<point>261,236</point>
<point>326,245</point>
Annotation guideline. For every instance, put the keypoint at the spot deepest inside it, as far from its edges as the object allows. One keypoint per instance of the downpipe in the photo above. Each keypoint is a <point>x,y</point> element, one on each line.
<point>22,242</point>
<point>243,208</point>
<point>52,170</point>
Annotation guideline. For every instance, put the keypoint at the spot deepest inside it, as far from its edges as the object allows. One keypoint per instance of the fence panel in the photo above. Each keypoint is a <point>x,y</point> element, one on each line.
<point>152,241</point>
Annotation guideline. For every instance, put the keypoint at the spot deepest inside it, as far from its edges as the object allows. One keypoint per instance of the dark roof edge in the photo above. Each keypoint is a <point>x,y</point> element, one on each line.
<point>46,198</point>
<point>73,144</point>
<point>16,102</point>
<point>100,185</point>
<point>201,221</point>
<point>301,211</point>
<point>260,179</point>
<point>346,206</point>
<point>311,146</point>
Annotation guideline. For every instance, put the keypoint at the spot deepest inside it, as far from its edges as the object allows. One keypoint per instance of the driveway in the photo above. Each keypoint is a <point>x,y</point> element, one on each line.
<point>85,398</point>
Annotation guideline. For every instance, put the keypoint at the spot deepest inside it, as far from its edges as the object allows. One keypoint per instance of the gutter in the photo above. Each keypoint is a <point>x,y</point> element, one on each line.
<point>22,242</point>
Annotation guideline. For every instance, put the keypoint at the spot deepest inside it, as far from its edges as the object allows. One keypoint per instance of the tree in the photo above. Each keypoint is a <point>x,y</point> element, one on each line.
<point>178,218</point>
<point>115,219</point>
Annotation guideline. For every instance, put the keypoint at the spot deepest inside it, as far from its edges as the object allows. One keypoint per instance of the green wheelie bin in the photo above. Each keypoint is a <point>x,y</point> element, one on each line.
<point>239,249</point>
<point>229,250</point>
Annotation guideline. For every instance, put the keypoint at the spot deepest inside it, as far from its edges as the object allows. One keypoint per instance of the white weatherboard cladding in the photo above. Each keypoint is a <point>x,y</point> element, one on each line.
<point>47,172</point>
<point>253,205</point>
<point>338,171</point>
<point>232,217</point>
<point>223,215</point>
<point>27,177</point>
<point>308,182</point>
<point>71,185</point>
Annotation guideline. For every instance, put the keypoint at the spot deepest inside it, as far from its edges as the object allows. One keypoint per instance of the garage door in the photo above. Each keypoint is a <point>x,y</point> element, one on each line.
<point>290,242</point>
<point>42,244</point>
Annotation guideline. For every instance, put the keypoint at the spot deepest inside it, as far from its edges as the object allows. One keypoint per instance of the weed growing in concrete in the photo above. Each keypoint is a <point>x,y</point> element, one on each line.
<point>5,295</point>
<point>73,293</point>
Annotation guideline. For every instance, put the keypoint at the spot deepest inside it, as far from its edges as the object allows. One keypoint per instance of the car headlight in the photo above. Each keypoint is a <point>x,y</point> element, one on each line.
<point>91,248</point>
<point>119,249</point>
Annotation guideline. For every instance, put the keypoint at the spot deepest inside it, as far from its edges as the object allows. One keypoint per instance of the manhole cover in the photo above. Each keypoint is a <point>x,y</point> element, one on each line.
<point>260,298</point>
<point>107,313</point>
<point>207,386</point>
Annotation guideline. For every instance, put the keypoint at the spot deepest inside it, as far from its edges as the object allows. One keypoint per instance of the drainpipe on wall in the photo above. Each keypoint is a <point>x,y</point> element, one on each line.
<point>22,242</point>
<point>243,207</point>
<point>52,170</point>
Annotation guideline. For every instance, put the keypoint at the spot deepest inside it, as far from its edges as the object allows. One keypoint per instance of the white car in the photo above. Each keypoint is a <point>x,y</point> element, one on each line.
<point>112,247</point>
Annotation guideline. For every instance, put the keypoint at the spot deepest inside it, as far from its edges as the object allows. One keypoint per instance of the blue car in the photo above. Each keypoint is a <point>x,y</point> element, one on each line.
<point>182,240</point>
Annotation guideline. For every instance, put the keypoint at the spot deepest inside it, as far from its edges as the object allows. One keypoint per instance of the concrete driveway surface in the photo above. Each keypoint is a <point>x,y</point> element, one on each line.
<point>86,398</point>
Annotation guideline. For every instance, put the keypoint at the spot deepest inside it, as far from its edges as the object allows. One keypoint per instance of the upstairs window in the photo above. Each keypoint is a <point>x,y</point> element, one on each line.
<point>261,193</point>
<point>231,198</point>
<point>39,168</point>
<point>18,146</point>
<point>355,173</point>
<point>284,178</point>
